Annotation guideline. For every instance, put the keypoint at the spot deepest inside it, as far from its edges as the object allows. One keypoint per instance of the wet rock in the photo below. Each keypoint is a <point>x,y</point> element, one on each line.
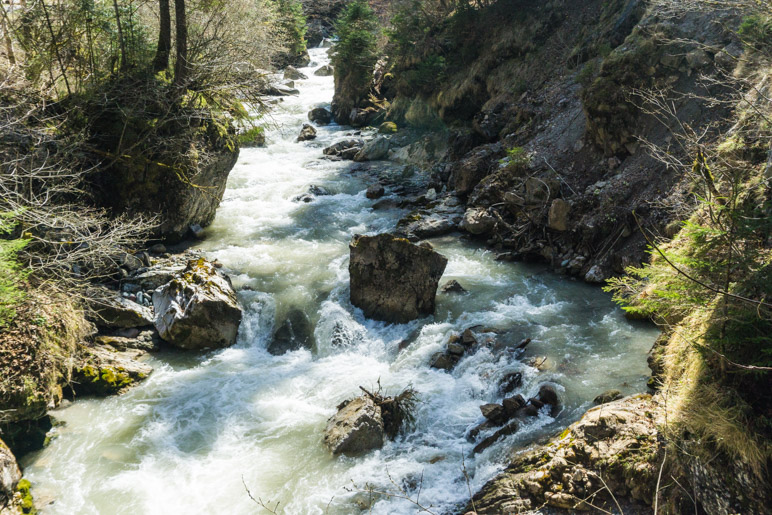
<point>494,412</point>
<point>10,475</point>
<point>375,191</point>
<point>292,73</point>
<point>475,431</point>
<point>478,221</point>
<point>468,337</point>
<point>108,309</point>
<point>281,90</point>
<point>324,71</point>
<point>455,349</point>
<point>608,396</point>
<point>453,286</point>
<point>345,149</point>
<point>374,150</point>
<point>198,309</point>
<point>102,370</point>
<point>510,382</point>
<point>513,404</point>
<point>307,133</point>
<point>197,232</point>
<point>393,279</point>
<point>320,116</point>
<point>509,429</point>
<point>356,427</point>
<point>548,395</point>
<point>443,361</point>
<point>558,215</point>
<point>296,332</point>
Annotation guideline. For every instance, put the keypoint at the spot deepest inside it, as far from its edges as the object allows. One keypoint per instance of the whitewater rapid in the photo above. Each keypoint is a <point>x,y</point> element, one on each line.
<point>202,427</point>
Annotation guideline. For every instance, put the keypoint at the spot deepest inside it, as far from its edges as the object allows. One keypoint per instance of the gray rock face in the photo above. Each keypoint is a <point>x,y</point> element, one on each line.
<point>442,218</point>
<point>307,133</point>
<point>296,332</point>
<point>393,279</point>
<point>292,73</point>
<point>198,309</point>
<point>10,475</point>
<point>108,309</point>
<point>281,90</point>
<point>477,221</point>
<point>374,150</point>
<point>325,71</point>
<point>357,427</point>
<point>320,116</point>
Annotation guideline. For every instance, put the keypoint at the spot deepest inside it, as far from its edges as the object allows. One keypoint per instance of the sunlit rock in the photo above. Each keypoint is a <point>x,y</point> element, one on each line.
<point>198,309</point>
<point>393,279</point>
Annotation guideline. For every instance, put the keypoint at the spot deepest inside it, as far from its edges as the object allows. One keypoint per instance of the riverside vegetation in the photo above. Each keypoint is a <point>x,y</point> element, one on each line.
<point>625,143</point>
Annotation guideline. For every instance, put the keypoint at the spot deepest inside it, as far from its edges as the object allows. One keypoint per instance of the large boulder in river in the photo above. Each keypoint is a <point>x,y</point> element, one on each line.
<point>296,332</point>
<point>307,133</point>
<point>320,116</point>
<point>393,279</point>
<point>478,220</point>
<point>198,309</point>
<point>374,150</point>
<point>292,73</point>
<point>356,427</point>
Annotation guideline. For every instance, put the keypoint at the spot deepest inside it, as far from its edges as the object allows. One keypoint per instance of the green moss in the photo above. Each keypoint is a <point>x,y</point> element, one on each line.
<point>27,502</point>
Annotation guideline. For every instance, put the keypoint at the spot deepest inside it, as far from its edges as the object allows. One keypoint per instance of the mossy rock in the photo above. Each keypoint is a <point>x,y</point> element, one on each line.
<point>388,128</point>
<point>106,372</point>
<point>27,505</point>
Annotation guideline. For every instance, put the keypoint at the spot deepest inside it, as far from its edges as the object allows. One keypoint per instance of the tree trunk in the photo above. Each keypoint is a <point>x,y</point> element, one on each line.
<point>121,41</point>
<point>181,66</point>
<point>161,61</point>
<point>7,36</point>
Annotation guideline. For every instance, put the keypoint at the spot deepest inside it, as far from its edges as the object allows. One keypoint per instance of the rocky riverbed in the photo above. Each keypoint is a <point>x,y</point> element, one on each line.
<point>522,348</point>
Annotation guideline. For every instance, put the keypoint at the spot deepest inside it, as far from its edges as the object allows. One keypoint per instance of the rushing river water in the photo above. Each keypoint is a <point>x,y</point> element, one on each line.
<point>188,439</point>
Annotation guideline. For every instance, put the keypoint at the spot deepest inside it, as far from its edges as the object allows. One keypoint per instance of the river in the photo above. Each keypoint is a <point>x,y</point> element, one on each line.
<point>190,438</point>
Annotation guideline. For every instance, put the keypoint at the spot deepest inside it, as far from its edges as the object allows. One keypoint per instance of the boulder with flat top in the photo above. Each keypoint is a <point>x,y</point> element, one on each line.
<point>392,279</point>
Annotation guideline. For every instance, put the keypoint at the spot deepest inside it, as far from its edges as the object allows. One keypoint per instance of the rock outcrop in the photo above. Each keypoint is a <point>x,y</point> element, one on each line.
<point>198,309</point>
<point>393,279</point>
<point>356,427</point>
<point>103,370</point>
<point>612,450</point>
